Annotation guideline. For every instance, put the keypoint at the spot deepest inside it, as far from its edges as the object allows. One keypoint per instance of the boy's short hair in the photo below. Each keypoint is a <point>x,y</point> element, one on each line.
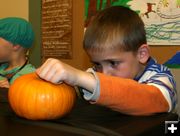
<point>17,31</point>
<point>117,28</point>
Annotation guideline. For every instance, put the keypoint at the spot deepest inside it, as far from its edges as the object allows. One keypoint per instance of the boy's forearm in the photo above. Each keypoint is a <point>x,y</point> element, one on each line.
<point>86,80</point>
<point>130,97</point>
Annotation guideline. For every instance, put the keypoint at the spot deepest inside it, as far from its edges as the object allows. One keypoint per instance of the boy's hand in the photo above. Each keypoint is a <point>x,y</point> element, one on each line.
<point>56,72</point>
<point>4,83</point>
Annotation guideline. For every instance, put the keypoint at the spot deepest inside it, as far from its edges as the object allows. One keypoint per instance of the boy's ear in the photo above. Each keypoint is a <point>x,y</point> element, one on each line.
<point>143,53</point>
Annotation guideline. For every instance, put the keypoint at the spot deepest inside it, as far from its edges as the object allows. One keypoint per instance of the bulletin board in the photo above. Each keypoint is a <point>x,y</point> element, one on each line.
<point>161,17</point>
<point>56,29</point>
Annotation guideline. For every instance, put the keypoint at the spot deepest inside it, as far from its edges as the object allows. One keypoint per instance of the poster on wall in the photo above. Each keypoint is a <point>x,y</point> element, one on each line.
<point>161,17</point>
<point>56,28</point>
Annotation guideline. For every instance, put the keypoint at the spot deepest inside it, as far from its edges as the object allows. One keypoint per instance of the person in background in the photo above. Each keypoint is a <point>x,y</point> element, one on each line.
<point>16,37</point>
<point>125,77</point>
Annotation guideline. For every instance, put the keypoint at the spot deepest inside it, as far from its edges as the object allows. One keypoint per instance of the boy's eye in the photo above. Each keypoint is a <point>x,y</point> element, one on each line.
<point>114,63</point>
<point>97,67</point>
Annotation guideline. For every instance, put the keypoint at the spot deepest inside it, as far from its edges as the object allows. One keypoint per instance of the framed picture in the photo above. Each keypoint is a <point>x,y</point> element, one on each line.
<point>56,28</point>
<point>161,17</point>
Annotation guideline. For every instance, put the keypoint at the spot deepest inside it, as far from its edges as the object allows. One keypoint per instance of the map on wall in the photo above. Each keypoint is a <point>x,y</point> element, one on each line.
<point>161,17</point>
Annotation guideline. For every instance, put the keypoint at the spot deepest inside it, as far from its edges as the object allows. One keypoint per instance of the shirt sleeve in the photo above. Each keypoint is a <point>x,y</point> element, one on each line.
<point>95,95</point>
<point>130,97</point>
<point>127,96</point>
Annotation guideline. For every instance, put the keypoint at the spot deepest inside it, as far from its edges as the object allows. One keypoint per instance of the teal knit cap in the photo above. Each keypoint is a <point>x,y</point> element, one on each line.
<point>17,31</point>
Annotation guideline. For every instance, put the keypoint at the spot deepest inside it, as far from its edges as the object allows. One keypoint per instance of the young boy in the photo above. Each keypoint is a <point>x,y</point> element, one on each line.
<point>16,36</point>
<point>124,78</point>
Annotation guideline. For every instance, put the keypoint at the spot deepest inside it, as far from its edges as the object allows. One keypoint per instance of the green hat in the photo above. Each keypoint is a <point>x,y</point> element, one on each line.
<point>17,31</point>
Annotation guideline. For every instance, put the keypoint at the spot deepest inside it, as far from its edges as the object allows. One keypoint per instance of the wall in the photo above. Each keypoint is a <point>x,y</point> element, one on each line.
<point>163,53</point>
<point>80,59</point>
<point>18,8</point>
<point>176,74</point>
<point>35,19</point>
<point>31,10</point>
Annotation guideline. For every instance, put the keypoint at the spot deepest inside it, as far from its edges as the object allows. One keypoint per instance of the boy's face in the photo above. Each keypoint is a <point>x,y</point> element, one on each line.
<point>117,63</point>
<point>5,50</point>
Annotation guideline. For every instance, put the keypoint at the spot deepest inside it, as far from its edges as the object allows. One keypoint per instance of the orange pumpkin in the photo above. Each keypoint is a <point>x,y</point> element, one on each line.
<point>33,98</point>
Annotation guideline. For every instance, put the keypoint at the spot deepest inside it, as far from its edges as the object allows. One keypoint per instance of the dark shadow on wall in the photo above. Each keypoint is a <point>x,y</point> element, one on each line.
<point>35,19</point>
